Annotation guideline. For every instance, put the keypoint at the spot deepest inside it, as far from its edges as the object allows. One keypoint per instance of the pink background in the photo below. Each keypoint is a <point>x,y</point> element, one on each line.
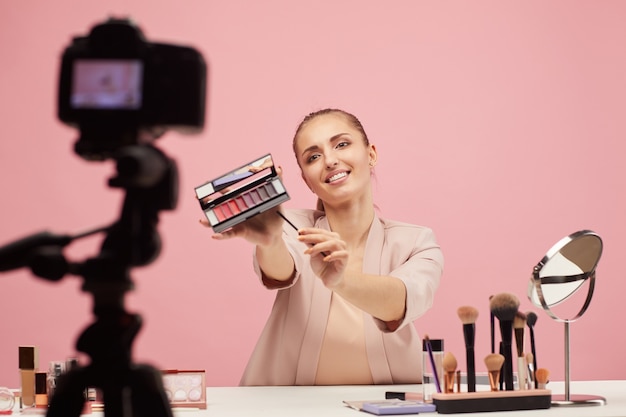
<point>501,125</point>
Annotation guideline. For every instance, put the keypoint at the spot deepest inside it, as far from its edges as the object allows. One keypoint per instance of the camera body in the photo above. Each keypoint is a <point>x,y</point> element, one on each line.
<point>114,85</point>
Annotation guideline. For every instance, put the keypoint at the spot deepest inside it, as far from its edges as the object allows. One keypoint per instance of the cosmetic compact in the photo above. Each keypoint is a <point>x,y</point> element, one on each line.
<point>185,388</point>
<point>241,193</point>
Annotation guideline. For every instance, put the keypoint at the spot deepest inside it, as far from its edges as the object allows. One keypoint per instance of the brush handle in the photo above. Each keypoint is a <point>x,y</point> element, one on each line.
<point>501,376</point>
<point>532,349</point>
<point>521,372</point>
<point>506,331</point>
<point>519,340</point>
<point>493,334</point>
<point>469,334</point>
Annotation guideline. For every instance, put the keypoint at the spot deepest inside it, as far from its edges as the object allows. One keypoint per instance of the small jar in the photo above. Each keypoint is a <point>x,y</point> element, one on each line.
<point>7,400</point>
<point>429,382</point>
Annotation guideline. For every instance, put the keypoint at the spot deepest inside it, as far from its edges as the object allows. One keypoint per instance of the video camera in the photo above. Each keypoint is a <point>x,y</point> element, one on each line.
<point>119,89</point>
<point>121,92</point>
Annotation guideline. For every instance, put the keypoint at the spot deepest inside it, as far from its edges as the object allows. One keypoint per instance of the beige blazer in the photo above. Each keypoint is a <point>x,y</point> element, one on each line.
<point>289,346</point>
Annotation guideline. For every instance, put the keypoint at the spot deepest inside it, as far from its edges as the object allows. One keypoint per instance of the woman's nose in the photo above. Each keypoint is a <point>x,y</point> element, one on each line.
<point>331,161</point>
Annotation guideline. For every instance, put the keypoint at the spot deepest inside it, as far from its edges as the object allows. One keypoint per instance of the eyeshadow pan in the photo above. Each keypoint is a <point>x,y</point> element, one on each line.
<point>255,197</point>
<point>270,190</point>
<point>264,195</point>
<point>219,214</point>
<point>226,210</point>
<point>248,199</point>
<point>233,207</point>
<point>241,204</point>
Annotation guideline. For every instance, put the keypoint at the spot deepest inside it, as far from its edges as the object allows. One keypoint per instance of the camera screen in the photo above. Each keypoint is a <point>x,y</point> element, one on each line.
<point>107,84</point>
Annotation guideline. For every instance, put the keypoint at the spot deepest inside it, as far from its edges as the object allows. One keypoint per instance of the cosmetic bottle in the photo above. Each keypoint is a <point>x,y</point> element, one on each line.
<point>429,383</point>
<point>41,390</point>
<point>28,364</point>
<point>70,365</point>
<point>55,370</point>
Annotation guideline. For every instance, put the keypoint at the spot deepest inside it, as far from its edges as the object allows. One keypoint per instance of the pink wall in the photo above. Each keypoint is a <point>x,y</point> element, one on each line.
<point>498,124</point>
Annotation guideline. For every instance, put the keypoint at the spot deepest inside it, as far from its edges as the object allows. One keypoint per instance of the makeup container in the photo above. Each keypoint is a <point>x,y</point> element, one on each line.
<point>429,383</point>
<point>185,388</point>
<point>41,390</point>
<point>7,400</point>
<point>242,193</point>
<point>28,364</point>
<point>55,370</point>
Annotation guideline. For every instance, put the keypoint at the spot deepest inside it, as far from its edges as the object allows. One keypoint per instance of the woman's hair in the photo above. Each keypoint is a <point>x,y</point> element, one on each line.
<point>352,119</point>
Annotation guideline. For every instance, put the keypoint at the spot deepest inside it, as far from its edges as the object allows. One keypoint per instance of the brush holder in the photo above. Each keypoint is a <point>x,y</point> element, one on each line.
<point>486,401</point>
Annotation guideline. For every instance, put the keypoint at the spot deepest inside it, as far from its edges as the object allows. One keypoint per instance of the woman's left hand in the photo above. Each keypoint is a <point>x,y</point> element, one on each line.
<point>329,254</point>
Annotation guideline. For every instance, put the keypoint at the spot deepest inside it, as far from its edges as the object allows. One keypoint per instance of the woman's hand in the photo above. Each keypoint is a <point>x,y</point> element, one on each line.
<point>329,254</point>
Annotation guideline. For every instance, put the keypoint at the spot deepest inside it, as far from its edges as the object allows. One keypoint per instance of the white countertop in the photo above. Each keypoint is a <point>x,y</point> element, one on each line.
<point>328,401</point>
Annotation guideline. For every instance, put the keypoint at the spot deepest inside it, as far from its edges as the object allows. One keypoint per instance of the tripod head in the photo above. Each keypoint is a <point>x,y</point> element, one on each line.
<point>122,93</point>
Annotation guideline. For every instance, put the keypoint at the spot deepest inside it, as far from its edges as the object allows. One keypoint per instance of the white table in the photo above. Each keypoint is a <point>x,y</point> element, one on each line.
<point>327,401</point>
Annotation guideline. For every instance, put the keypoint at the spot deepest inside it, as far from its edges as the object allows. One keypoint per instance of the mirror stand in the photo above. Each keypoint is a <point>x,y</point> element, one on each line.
<point>573,400</point>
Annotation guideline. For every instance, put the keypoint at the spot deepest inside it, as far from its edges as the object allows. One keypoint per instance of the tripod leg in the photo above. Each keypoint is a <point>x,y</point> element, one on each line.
<point>148,393</point>
<point>69,395</point>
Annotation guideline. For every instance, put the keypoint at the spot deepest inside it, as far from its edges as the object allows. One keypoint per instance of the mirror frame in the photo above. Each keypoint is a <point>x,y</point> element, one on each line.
<point>536,280</point>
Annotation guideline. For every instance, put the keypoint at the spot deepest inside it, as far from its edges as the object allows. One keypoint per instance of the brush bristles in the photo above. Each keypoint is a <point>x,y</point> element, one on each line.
<point>529,358</point>
<point>494,361</point>
<point>542,375</point>
<point>467,314</point>
<point>519,322</point>
<point>504,306</point>
<point>531,319</point>
<point>449,362</point>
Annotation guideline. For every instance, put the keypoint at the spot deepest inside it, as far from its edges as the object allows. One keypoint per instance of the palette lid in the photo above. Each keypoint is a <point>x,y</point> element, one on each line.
<point>245,177</point>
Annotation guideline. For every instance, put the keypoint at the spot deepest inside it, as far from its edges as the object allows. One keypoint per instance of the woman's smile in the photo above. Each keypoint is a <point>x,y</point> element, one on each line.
<point>337,176</point>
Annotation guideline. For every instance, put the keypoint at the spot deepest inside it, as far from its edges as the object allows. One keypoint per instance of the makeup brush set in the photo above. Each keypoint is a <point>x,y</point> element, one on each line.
<point>504,395</point>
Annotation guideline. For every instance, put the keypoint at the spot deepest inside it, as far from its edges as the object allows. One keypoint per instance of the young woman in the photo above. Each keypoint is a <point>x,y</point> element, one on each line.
<point>348,284</point>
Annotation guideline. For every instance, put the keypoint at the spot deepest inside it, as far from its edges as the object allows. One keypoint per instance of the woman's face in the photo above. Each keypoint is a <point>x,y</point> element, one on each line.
<point>335,161</point>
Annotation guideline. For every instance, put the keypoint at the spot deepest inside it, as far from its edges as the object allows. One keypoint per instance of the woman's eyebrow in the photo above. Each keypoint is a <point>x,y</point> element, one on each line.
<point>331,139</point>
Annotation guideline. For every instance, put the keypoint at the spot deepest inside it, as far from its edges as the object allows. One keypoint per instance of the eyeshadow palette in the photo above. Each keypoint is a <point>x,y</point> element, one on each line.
<point>185,388</point>
<point>241,193</point>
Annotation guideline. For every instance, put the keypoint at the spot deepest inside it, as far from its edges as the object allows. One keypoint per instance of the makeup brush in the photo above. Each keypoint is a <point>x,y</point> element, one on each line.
<point>519,325</point>
<point>449,369</point>
<point>493,334</point>
<point>494,362</point>
<point>504,306</point>
<point>287,220</point>
<point>294,227</point>
<point>531,371</point>
<point>468,317</point>
<point>531,319</point>
<point>542,375</point>
<point>429,348</point>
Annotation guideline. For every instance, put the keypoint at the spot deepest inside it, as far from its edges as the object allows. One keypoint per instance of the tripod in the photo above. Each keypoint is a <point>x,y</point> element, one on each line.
<point>150,180</point>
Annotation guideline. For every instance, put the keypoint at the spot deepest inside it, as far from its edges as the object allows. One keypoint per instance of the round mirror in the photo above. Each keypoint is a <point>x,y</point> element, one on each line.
<point>566,268</point>
<point>569,266</point>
